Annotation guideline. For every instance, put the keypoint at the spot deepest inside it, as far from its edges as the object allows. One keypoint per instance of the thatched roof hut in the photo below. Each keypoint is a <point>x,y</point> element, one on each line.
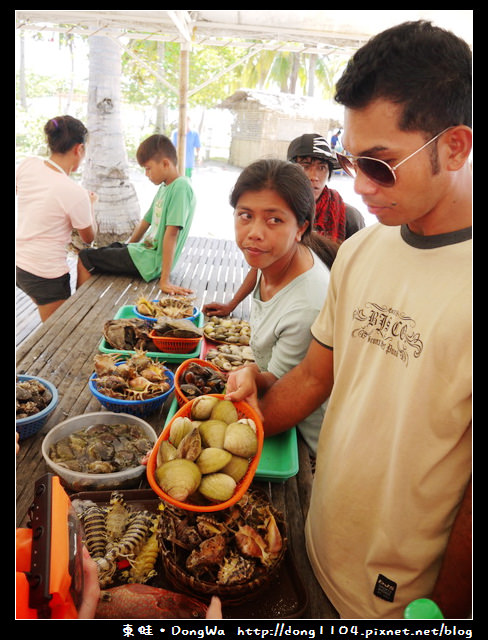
<point>265,123</point>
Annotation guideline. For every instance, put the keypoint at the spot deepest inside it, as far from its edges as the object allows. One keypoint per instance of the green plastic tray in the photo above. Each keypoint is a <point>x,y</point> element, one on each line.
<point>279,457</point>
<point>127,312</point>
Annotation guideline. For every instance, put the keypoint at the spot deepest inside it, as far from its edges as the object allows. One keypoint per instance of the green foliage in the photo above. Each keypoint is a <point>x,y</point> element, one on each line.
<point>141,86</point>
<point>145,92</point>
<point>29,135</point>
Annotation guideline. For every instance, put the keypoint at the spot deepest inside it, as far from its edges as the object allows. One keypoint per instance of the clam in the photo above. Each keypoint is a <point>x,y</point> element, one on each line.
<point>125,459</point>
<point>212,433</point>
<point>179,428</point>
<point>73,465</point>
<point>236,467</point>
<point>212,459</point>
<point>62,451</point>
<point>217,487</point>
<point>190,446</point>
<point>225,411</point>
<point>100,466</point>
<point>241,440</point>
<point>98,450</point>
<point>250,422</point>
<point>179,478</point>
<point>202,407</point>
<point>166,452</point>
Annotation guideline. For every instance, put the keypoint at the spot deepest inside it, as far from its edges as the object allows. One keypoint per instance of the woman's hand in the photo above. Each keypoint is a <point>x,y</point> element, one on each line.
<point>218,309</point>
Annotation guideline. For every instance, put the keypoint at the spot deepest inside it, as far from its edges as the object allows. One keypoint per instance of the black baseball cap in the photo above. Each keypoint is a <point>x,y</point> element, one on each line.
<point>312,145</point>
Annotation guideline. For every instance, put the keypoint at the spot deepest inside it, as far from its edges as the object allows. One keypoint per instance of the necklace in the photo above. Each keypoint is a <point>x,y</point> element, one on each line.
<point>54,164</point>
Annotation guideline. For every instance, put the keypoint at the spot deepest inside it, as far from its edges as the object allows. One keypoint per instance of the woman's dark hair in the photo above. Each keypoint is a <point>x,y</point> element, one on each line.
<point>156,147</point>
<point>292,184</point>
<point>63,132</point>
<point>422,67</point>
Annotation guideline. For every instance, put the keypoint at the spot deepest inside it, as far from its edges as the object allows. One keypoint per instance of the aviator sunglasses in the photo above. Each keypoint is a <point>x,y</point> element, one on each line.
<point>377,170</point>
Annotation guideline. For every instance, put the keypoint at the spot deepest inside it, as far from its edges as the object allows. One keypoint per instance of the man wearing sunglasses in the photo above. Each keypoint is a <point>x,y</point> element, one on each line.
<point>389,516</point>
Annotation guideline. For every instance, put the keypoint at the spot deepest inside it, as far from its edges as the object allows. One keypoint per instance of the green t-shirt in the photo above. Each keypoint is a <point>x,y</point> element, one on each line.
<point>173,205</point>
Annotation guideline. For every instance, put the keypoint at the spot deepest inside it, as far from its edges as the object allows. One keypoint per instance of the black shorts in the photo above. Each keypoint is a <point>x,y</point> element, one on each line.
<point>43,290</point>
<point>114,258</point>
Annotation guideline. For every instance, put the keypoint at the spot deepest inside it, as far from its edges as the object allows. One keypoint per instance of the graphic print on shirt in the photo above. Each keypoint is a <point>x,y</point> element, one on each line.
<point>391,330</point>
<point>150,236</point>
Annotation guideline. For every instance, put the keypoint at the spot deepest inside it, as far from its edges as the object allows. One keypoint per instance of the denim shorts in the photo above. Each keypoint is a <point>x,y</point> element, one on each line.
<point>43,290</point>
<point>114,258</point>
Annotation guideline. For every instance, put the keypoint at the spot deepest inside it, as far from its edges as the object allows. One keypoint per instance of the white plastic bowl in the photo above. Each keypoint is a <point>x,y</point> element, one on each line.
<point>77,481</point>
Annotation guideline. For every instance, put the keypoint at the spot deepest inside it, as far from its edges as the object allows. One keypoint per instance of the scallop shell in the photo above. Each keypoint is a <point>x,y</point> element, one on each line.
<point>212,433</point>
<point>179,478</point>
<point>225,411</point>
<point>241,440</point>
<point>217,487</point>
<point>179,428</point>
<point>202,407</point>
<point>212,459</point>
<point>236,467</point>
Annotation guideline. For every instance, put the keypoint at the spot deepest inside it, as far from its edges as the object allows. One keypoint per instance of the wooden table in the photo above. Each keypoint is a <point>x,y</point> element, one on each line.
<point>62,349</point>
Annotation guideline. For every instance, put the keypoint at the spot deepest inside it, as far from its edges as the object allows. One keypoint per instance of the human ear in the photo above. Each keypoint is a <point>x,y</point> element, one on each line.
<point>79,150</point>
<point>458,144</point>
<point>301,230</point>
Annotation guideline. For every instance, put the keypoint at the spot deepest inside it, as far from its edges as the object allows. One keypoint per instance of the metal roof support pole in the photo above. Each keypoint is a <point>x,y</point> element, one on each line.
<point>185,48</point>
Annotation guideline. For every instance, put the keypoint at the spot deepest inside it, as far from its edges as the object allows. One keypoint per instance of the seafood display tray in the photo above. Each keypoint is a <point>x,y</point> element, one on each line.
<point>279,457</point>
<point>285,597</point>
<point>208,344</point>
<point>127,311</point>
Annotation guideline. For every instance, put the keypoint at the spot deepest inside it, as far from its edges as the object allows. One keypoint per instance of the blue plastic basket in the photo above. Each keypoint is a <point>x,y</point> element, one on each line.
<point>154,319</point>
<point>140,408</point>
<point>29,426</point>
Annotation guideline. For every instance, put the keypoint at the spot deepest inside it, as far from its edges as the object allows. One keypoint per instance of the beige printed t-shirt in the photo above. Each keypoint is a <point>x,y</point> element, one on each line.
<point>394,453</point>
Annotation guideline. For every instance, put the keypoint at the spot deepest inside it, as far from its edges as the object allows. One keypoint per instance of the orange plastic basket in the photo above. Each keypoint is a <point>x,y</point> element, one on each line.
<point>175,345</point>
<point>244,410</point>
<point>180,396</point>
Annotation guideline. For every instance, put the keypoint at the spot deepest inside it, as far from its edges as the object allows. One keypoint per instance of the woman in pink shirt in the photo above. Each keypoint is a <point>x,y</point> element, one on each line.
<point>50,206</point>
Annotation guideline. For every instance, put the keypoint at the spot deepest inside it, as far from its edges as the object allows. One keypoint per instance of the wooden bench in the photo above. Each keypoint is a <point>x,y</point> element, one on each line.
<point>61,350</point>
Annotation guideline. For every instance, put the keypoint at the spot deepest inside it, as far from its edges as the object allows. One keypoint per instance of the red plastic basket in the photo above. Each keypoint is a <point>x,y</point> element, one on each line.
<point>175,345</point>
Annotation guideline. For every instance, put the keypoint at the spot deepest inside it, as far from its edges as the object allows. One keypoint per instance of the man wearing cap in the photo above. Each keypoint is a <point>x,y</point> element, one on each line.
<point>333,217</point>
<point>389,520</point>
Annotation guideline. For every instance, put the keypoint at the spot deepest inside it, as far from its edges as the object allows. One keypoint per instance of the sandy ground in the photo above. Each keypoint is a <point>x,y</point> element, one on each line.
<point>213,183</point>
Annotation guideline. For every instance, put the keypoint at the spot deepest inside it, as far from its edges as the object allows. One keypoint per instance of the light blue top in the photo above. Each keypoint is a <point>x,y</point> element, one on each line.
<point>192,143</point>
<point>280,331</point>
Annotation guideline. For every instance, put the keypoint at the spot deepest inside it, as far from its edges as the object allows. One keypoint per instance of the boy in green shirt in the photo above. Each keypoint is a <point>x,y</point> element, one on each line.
<point>156,243</point>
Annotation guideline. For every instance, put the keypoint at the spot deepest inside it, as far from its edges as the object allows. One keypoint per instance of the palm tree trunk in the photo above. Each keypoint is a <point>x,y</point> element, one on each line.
<point>106,169</point>
<point>22,85</point>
